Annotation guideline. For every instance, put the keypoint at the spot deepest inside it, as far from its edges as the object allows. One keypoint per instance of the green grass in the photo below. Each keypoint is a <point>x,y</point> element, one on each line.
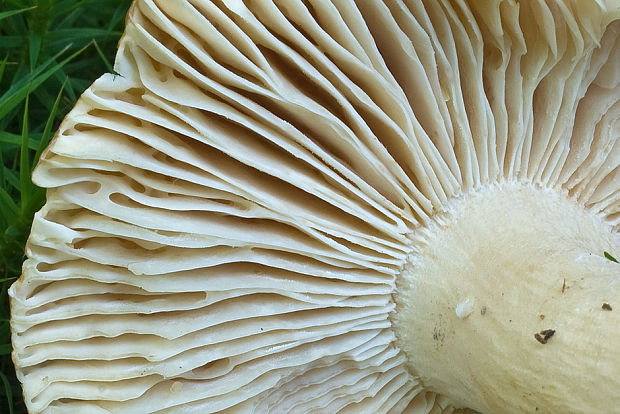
<point>610,257</point>
<point>50,51</point>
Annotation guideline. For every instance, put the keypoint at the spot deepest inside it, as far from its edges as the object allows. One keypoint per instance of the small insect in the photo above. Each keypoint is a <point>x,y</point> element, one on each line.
<point>544,335</point>
<point>606,306</point>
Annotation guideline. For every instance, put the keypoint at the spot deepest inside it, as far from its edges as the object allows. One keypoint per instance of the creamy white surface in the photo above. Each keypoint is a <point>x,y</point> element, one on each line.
<point>228,220</point>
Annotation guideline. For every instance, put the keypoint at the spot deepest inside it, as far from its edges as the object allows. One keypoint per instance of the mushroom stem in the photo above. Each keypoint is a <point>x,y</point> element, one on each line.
<point>544,328</point>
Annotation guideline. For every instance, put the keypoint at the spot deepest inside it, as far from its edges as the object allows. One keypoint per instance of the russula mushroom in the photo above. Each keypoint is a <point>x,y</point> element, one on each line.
<point>323,206</point>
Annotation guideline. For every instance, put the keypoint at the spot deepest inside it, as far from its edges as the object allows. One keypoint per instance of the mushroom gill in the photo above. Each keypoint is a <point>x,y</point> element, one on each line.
<point>334,206</point>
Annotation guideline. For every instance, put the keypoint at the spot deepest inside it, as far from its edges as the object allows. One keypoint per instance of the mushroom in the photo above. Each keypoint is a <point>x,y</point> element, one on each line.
<point>329,206</point>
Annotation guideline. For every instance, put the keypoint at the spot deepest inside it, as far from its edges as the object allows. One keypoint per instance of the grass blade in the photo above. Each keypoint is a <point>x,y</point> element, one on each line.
<point>7,103</point>
<point>610,257</point>
<point>7,391</point>
<point>3,66</point>
<point>47,131</point>
<point>8,208</point>
<point>2,178</point>
<point>10,178</point>
<point>24,159</point>
<point>66,7</point>
<point>8,279</point>
<point>34,47</point>
<point>10,13</point>
<point>15,140</point>
<point>119,13</point>
<point>12,96</point>
<point>105,60</point>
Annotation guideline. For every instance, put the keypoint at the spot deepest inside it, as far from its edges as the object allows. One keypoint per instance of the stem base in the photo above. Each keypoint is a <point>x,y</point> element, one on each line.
<point>501,307</point>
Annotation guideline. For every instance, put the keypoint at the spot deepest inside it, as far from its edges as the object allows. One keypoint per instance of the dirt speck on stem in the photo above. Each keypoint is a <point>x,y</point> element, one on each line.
<point>544,335</point>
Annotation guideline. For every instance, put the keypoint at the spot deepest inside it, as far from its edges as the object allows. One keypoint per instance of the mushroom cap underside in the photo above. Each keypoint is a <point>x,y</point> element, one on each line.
<point>229,219</point>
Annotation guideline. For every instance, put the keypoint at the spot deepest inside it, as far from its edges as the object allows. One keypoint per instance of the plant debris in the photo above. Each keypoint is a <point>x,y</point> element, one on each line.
<point>610,257</point>
<point>544,335</point>
<point>607,307</point>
